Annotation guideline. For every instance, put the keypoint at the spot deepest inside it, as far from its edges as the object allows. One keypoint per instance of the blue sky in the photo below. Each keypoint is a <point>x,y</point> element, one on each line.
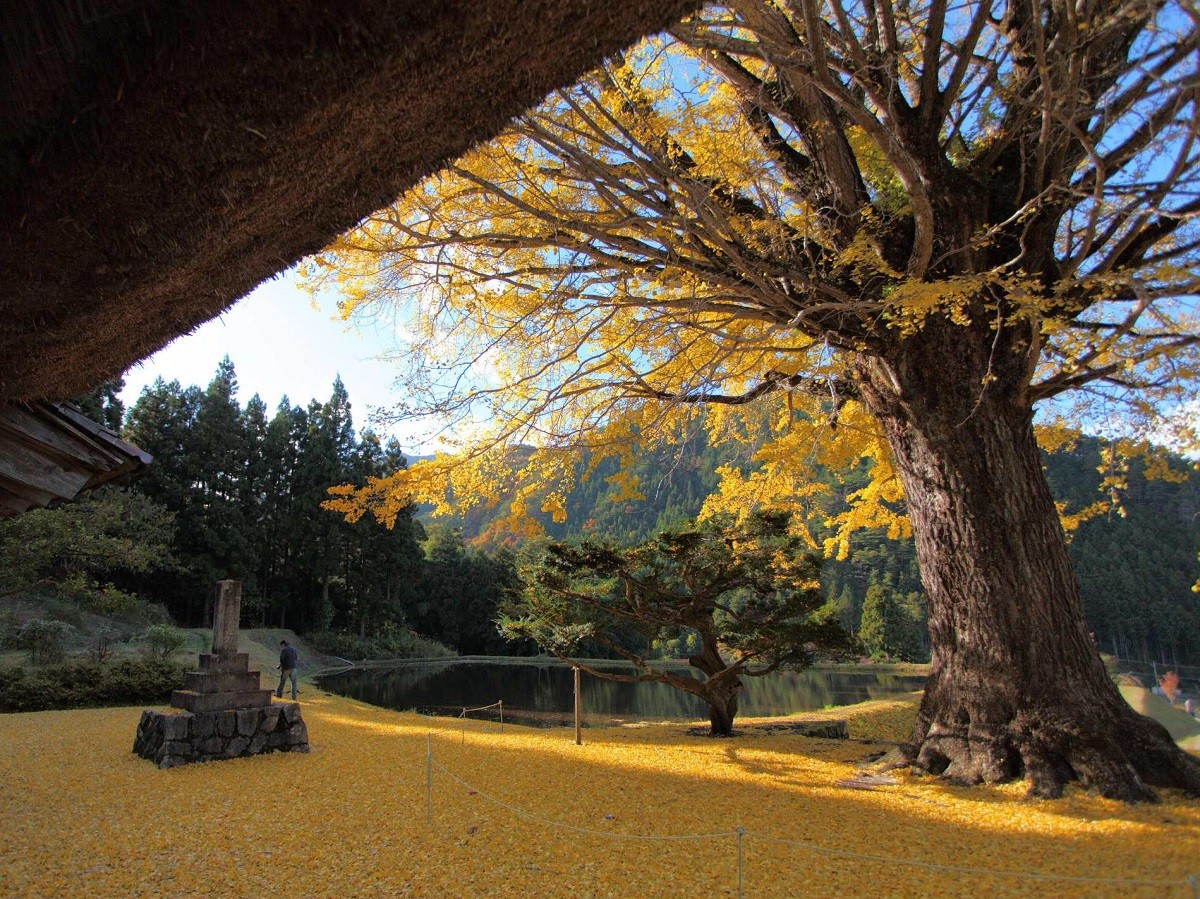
<point>280,344</point>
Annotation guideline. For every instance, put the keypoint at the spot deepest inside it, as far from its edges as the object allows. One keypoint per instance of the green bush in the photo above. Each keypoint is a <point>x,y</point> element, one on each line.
<point>129,681</point>
<point>97,597</point>
<point>101,645</point>
<point>397,644</point>
<point>45,641</point>
<point>161,641</point>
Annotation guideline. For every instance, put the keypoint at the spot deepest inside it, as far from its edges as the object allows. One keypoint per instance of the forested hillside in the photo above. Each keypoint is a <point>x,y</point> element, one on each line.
<point>235,492</point>
<point>1136,561</point>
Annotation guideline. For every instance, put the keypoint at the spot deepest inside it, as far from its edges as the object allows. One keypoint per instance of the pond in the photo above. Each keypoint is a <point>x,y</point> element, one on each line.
<point>540,691</point>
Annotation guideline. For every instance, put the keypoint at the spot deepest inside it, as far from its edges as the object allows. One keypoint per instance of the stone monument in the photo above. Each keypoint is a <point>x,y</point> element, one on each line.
<point>222,712</point>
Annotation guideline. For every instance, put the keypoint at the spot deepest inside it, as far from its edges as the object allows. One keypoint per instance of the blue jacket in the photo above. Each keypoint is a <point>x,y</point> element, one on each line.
<point>287,657</point>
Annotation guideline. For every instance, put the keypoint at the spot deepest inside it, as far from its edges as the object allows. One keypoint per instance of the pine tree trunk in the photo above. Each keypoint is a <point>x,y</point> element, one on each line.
<point>721,712</point>
<point>1016,685</point>
<point>720,688</point>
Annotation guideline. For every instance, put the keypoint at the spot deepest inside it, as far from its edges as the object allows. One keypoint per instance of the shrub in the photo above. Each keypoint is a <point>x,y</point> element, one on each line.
<point>10,630</point>
<point>100,646</point>
<point>97,597</point>
<point>396,644</point>
<point>45,641</point>
<point>129,681</point>
<point>161,641</point>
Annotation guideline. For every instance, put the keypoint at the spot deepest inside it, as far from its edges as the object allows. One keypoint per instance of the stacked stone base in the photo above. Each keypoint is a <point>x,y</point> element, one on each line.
<point>178,738</point>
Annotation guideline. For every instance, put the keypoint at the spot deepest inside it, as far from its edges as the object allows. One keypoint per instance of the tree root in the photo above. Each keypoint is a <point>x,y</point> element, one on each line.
<point>1118,754</point>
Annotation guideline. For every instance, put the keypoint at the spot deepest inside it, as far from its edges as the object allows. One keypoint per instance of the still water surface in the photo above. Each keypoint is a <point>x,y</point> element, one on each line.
<point>541,692</point>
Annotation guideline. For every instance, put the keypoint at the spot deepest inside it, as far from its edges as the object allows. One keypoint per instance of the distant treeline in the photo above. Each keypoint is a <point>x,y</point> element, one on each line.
<point>245,489</point>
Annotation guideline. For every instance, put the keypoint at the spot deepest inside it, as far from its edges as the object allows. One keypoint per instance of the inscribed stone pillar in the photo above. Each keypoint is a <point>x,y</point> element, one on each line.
<point>225,621</point>
<point>225,711</point>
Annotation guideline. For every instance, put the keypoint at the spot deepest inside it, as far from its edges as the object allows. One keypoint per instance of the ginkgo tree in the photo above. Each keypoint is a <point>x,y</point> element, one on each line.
<point>885,232</point>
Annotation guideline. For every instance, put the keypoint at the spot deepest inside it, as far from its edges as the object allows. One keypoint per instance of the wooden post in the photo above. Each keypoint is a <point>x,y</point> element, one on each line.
<point>741,835</point>
<point>578,710</point>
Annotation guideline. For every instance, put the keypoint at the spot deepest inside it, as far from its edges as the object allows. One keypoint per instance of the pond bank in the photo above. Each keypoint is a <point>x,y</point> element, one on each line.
<point>540,691</point>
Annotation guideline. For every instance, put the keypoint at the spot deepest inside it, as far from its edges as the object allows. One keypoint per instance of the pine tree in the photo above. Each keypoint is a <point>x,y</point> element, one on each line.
<point>889,627</point>
<point>103,405</point>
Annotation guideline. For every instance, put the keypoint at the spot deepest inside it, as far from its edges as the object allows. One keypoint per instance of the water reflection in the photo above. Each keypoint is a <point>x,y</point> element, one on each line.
<point>542,692</point>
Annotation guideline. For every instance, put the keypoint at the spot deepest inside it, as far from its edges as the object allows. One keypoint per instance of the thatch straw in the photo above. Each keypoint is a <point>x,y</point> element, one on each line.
<point>160,159</point>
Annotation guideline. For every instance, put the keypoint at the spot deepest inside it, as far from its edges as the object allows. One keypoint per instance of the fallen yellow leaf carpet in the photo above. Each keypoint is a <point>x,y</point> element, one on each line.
<point>80,815</point>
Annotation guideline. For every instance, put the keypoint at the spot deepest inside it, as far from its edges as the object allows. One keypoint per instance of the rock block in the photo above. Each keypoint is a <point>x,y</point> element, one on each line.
<point>212,747</point>
<point>233,663</point>
<point>204,726</point>
<point>248,721</point>
<point>171,739</point>
<point>236,747</point>
<point>175,727</point>
<point>222,682</point>
<point>212,702</point>
<point>179,748</point>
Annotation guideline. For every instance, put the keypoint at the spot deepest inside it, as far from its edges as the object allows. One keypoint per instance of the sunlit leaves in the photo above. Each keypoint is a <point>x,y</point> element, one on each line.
<point>779,195</point>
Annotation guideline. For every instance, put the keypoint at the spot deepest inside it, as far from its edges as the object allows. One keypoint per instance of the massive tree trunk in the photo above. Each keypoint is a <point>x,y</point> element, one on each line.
<point>1017,686</point>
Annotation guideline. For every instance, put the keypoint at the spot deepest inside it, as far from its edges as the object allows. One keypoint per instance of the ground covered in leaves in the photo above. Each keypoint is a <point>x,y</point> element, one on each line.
<point>81,815</point>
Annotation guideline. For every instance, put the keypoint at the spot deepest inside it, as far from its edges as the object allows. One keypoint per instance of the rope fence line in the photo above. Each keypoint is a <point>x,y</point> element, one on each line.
<point>1154,668</point>
<point>482,708</point>
<point>1191,882</point>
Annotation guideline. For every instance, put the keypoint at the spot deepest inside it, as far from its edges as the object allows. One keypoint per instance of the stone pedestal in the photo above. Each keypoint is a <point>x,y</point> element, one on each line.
<point>223,682</point>
<point>177,738</point>
<point>224,712</point>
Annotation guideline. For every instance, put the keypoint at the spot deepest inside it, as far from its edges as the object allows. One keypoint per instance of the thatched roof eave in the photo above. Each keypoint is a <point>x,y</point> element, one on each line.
<point>159,160</point>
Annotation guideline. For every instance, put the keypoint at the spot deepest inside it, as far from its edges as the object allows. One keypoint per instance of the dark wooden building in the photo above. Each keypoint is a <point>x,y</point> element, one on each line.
<point>49,452</point>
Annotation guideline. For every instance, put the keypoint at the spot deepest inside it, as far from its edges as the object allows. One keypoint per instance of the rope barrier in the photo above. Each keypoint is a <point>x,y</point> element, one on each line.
<point>482,708</point>
<point>741,833</point>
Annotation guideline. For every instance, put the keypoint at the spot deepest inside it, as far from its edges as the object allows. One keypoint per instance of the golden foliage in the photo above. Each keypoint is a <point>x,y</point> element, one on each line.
<point>644,241</point>
<point>84,816</point>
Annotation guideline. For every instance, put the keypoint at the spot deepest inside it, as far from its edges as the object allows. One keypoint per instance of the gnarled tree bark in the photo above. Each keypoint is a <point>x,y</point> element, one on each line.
<point>1017,686</point>
<point>720,689</point>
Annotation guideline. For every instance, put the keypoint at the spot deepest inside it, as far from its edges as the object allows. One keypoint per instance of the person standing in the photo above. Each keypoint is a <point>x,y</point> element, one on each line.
<point>286,667</point>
